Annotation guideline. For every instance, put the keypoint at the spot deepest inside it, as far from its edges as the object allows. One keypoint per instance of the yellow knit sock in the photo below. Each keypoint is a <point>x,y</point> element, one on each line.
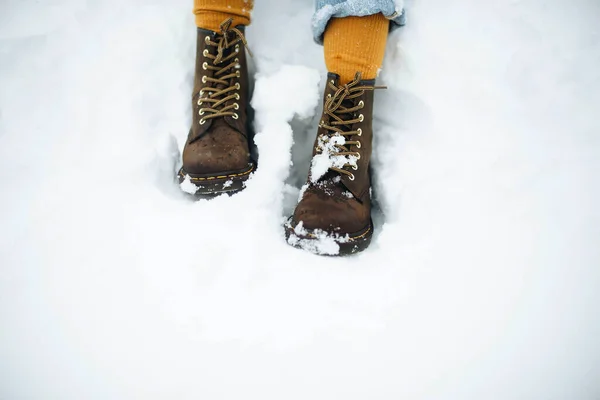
<point>355,44</point>
<point>210,13</point>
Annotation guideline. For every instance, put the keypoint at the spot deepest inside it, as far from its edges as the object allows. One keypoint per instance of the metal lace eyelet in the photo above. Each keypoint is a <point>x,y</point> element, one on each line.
<point>238,74</point>
<point>359,132</point>
<point>205,53</point>
<point>329,96</point>
<point>351,177</point>
<point>202,121</point>
<point>203,79</point>
<point>236,106</point>
<point>235,116</point>
<point>199,103</point>
<point>355,167</point>
<point>357,156</point>
<point>237,48</point>
<point>332,82</point>
<point>201,112</point>
<point>206,39</point>
<point>237,86</point>
<point>361,118</point>
<point>361,104</point>
<point>237,96</point>
<point>205,66</point>
<point>358,145</point>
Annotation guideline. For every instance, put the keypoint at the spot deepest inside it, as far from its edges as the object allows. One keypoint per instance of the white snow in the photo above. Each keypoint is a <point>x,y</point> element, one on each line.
<point>189,187</point>
<point>322,162</point>
<point>302,191</point>
<point>482,280</point>
<point>321,242</point>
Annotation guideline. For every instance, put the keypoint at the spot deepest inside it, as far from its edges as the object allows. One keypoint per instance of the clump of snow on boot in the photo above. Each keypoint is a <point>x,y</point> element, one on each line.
<point>320,242</point>
<point>328,157</point>
<point>188,186</point>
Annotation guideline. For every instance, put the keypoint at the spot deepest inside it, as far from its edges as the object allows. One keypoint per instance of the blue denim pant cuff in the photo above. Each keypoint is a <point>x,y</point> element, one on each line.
<point>327,9</point>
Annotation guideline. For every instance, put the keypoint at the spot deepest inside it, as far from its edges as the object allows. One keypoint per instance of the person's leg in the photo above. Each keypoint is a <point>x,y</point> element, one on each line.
<point>355,44</point>
<point>326,10</point>
<point>216,156</point>
<point>211,13</point>
<point>354,34</point>
<point>333,215</point>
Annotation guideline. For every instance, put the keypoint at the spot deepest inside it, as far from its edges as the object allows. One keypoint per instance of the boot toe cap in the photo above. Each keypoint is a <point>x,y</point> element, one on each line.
<point>332,216</point>
<point>216,153</point>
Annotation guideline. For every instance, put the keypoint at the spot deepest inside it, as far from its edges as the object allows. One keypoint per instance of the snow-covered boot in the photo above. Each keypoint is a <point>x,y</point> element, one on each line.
<point>333,215</point>
<point>216,156</point>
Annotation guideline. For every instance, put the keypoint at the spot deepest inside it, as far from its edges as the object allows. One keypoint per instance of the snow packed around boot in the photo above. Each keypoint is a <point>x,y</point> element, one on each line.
<point>482,278</point>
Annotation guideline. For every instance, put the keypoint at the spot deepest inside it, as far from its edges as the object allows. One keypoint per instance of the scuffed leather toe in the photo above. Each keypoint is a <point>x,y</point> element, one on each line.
<point>334,214</point>
<point>223,150</point>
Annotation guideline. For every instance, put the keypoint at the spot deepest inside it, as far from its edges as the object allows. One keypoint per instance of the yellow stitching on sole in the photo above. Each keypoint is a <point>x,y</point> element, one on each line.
<point>210,178</point>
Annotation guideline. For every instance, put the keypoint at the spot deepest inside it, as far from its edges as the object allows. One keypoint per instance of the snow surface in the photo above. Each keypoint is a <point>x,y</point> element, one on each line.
<point>482,281</point>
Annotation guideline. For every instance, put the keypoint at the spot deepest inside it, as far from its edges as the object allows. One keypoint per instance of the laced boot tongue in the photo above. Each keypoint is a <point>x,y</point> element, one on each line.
<point>220,94</point>
<point>348,104</point>
<point>337,144</point>
<point>331,184</point>
<point>330,178</point>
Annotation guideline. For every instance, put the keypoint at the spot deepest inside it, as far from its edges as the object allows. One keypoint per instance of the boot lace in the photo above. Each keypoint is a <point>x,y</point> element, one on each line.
<point>220,88</point>
<point>342,113</point>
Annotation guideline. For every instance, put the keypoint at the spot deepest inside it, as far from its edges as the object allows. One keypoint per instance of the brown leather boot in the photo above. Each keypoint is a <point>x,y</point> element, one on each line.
<point>333,216</point>
<point>216,156</point>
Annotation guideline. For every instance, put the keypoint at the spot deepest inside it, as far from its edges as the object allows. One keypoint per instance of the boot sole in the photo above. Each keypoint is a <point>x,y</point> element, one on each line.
<point>309,240</point>
<point>215,184</point>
